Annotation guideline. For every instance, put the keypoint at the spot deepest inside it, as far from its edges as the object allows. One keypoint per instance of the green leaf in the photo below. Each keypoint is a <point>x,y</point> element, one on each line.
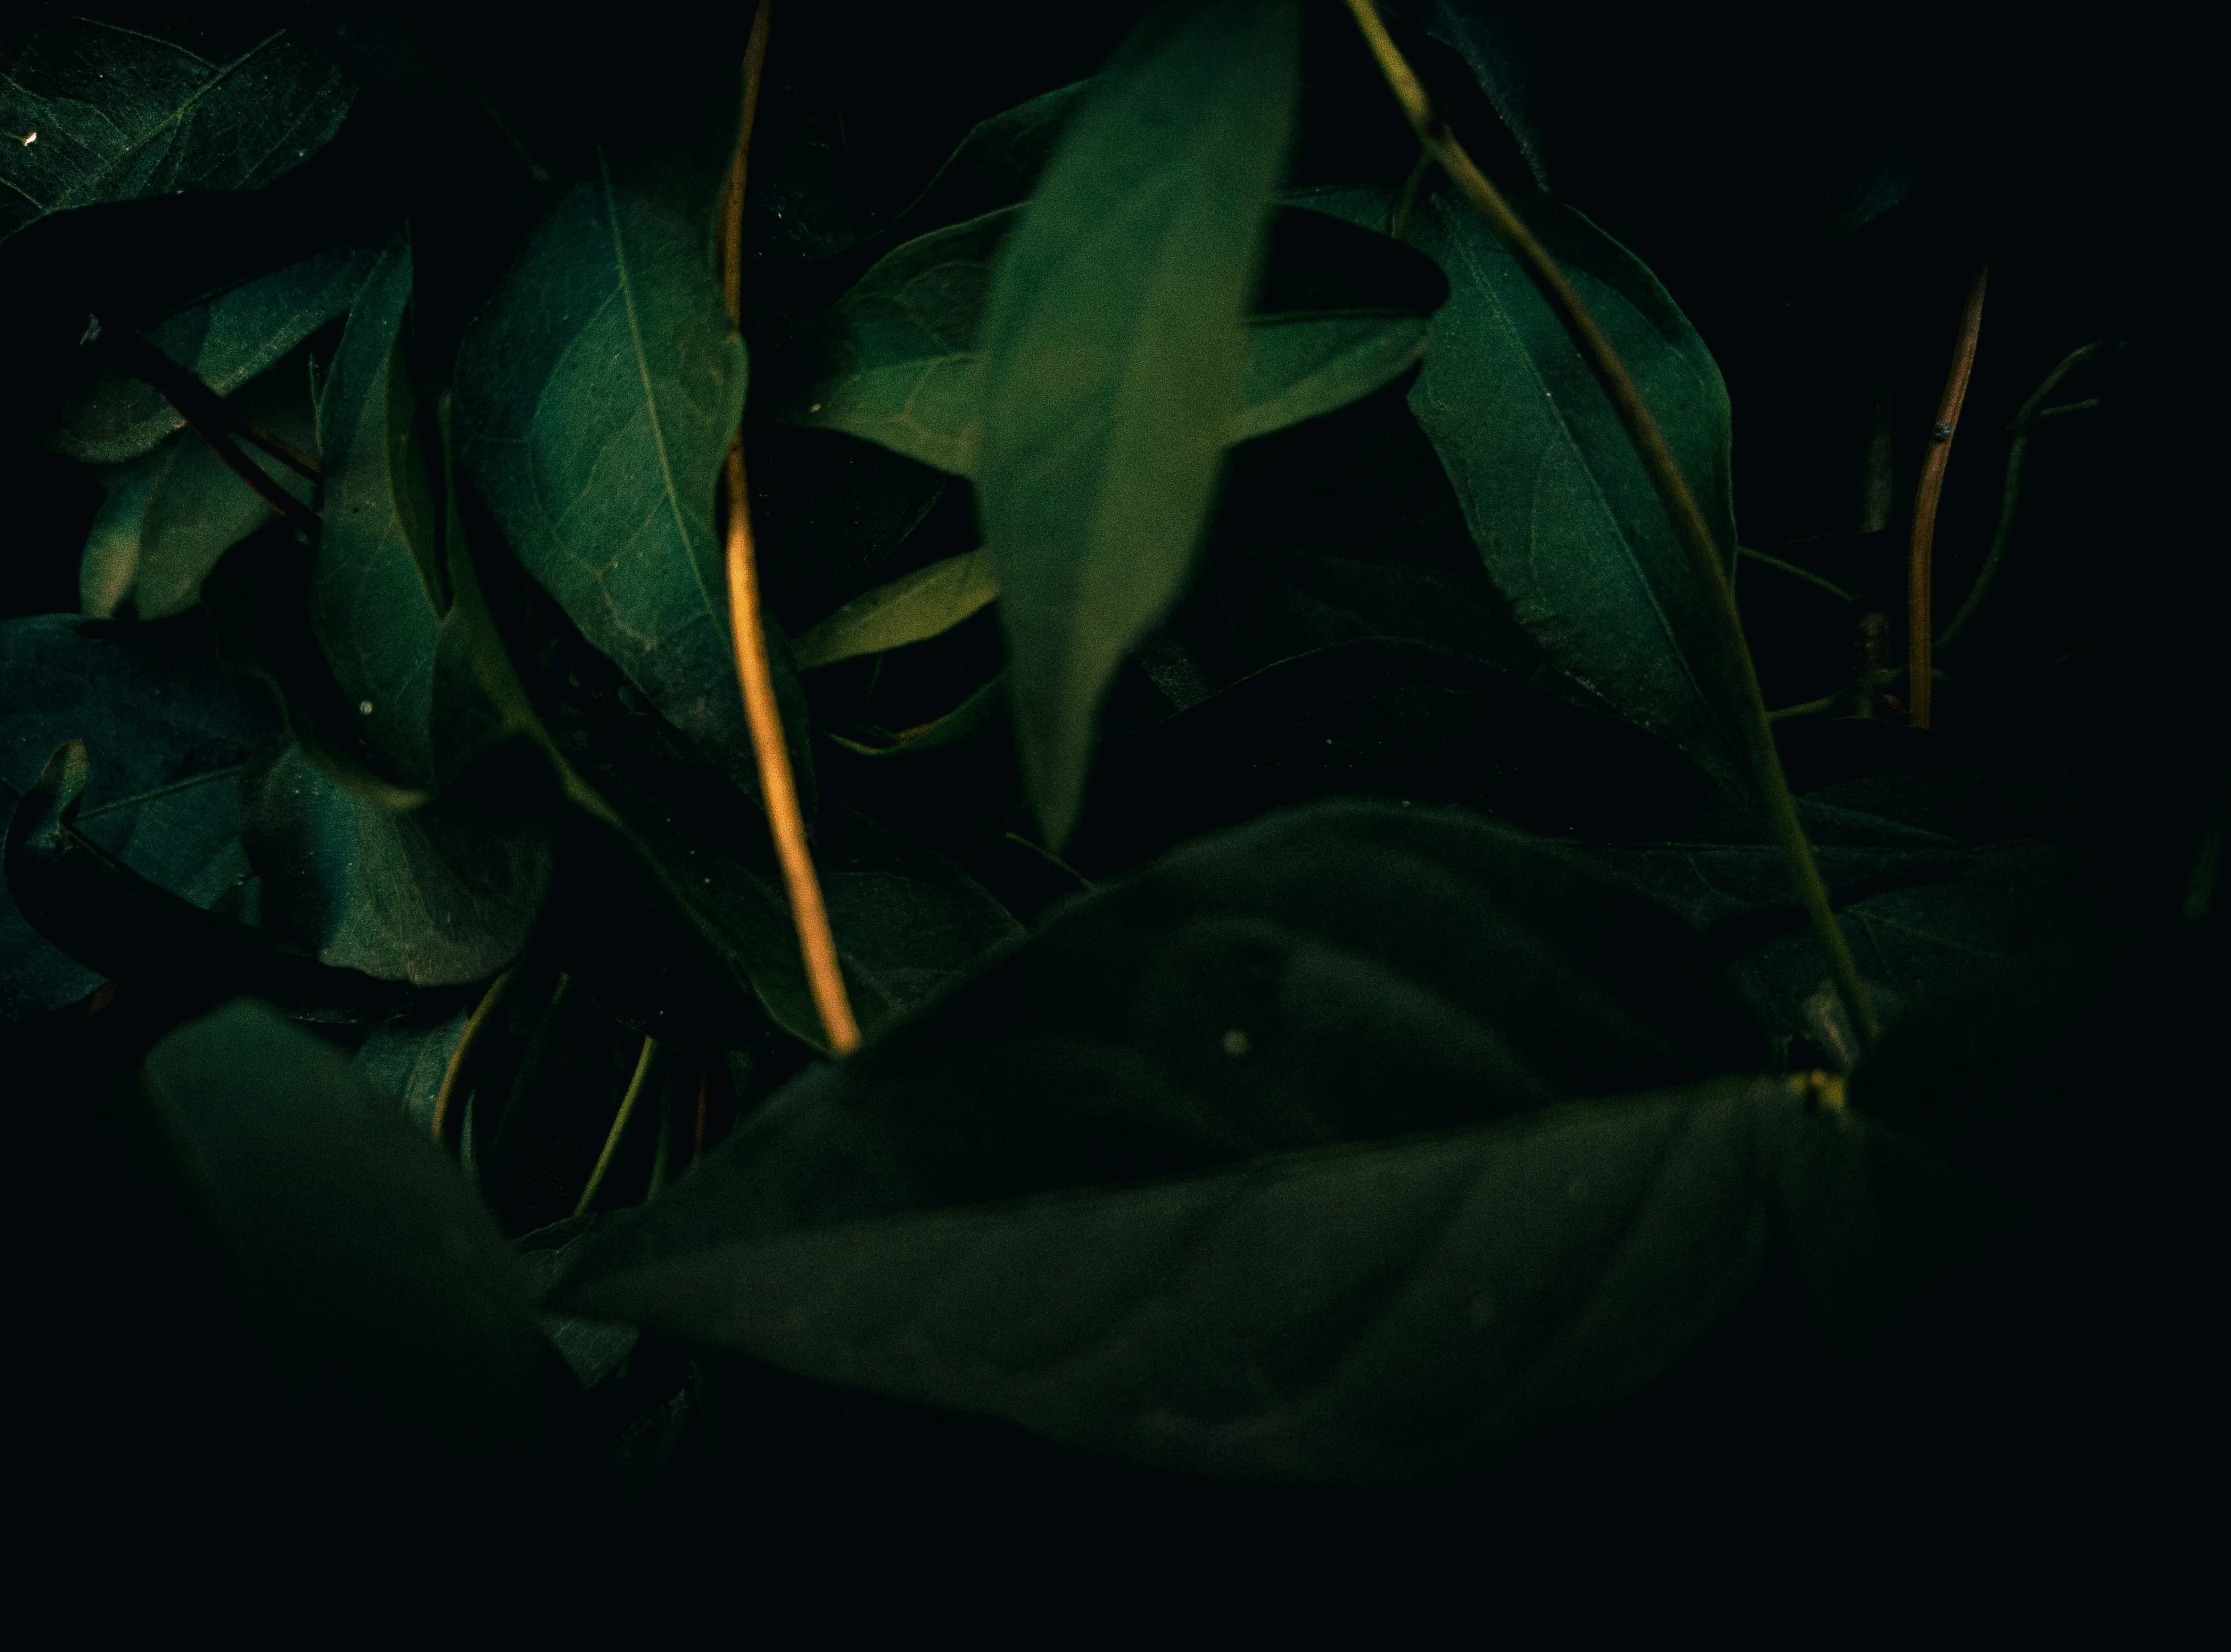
<point>1562,509</point>
<point>1339,973</point>
<point>368,1260</point>
<point>405,1060</point>
<point>435,895</point>
<point>377,588</point>
<point>595,400</point>
<point>1115,358</point>
<point>901,365</point>
<point>1255,1166</point>
<point>224,341</point>
<point>170,514</point>
<point>95,112</point>
<point>920,605</point>
<point>1366,1314</point>
<point>169,732</point>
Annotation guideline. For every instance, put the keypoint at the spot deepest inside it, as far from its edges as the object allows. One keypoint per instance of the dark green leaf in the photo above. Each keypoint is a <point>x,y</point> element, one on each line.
<point>377,590</point>
<point>595,400</point>
<point>224,341</point>
<point>903,367</point>
<point>1564,513</point>
<point>364,1251</point>
<point>1363,1314</point>
<point>1115,357</point>
<point>405,1059</point>
<point>169,732</point>
<point>1332,974</point>
<point>435,895</point>
<point>171,513</point>
<point>593,1348</point>
<point>96,111</point>
<point>918,606</point>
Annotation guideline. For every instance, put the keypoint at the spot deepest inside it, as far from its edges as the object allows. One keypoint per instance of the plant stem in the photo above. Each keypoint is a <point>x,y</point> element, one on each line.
<point>446,1095</point>
<point>1791,568</point>
<point>619,1125</point>
<point>205,412</point>
<point>1709,564</point>
<point>777,785</point>
<point>2017,456</point>
<point>1806,708</point>
<point>1920,573</point>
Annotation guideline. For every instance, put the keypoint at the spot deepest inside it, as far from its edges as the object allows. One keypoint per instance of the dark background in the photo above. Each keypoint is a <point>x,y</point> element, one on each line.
<point>2040,1406</point>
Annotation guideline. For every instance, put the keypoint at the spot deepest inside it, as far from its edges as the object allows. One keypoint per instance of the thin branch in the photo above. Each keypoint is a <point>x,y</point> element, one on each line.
<point>2017,456</point>
<point>619,1125</point>
<point>1805,574</point>
<point>206,413</point>
<point>1920,570</point>
<point>777,786</point>
<point>447,1094</point>
<point>1807,708</point>
<point>1673,492</point>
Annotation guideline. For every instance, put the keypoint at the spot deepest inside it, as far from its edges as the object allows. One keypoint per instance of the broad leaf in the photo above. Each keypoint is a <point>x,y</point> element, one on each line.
<point>170,514</point>
<point>918,606</point>
<point>1331,974</point>
<point>224,341</point>
<point>435,895</point>
<point>169,732</point>
<point>902,366</point>
<point>1115,357</point>
<point>1309,1299</point>
<point>1363,1314</point>
<point>377,590</point>
<point>1563,511</point>
<point>362,1249</point>
<point>96,111</point>
<point>595,399</point>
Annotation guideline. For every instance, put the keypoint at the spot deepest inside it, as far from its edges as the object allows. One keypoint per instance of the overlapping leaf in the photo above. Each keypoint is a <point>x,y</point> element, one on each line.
<point>1564,514</point>
<point>377,589</point>
<point>1115,355</point>
<point>903,365</point>
<point>169,731</point>
<point>1309,1297</point>
<point>224,341</point>
<point>364,1252</point>
<point>98,111</point>
<point>172,512</point>
<point>595,399</point>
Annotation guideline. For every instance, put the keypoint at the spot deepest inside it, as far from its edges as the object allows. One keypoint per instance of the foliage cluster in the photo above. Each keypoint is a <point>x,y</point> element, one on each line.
<point>1334,1011</point>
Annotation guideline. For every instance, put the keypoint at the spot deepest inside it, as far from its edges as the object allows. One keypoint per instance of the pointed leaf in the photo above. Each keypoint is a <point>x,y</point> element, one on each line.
<point>596,398</point>
<point>99,112</point>
<point>376,589</point>
<point>921,605</point>
<point>170,514</point>
<point>902,367</point>
<point>1115,358</point>
<point>169,731</point>
<point>224,341</point>
<point>1563,511</point>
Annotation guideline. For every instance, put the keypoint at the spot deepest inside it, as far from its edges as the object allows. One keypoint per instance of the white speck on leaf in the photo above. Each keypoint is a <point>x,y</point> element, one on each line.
<point>1236,1042</point>
<point>364,708</point>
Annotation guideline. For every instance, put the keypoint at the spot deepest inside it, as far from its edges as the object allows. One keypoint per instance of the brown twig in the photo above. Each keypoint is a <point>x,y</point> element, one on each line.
<point>1705,557</point>
<point>777,785</point>
<point>1920,574</point>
